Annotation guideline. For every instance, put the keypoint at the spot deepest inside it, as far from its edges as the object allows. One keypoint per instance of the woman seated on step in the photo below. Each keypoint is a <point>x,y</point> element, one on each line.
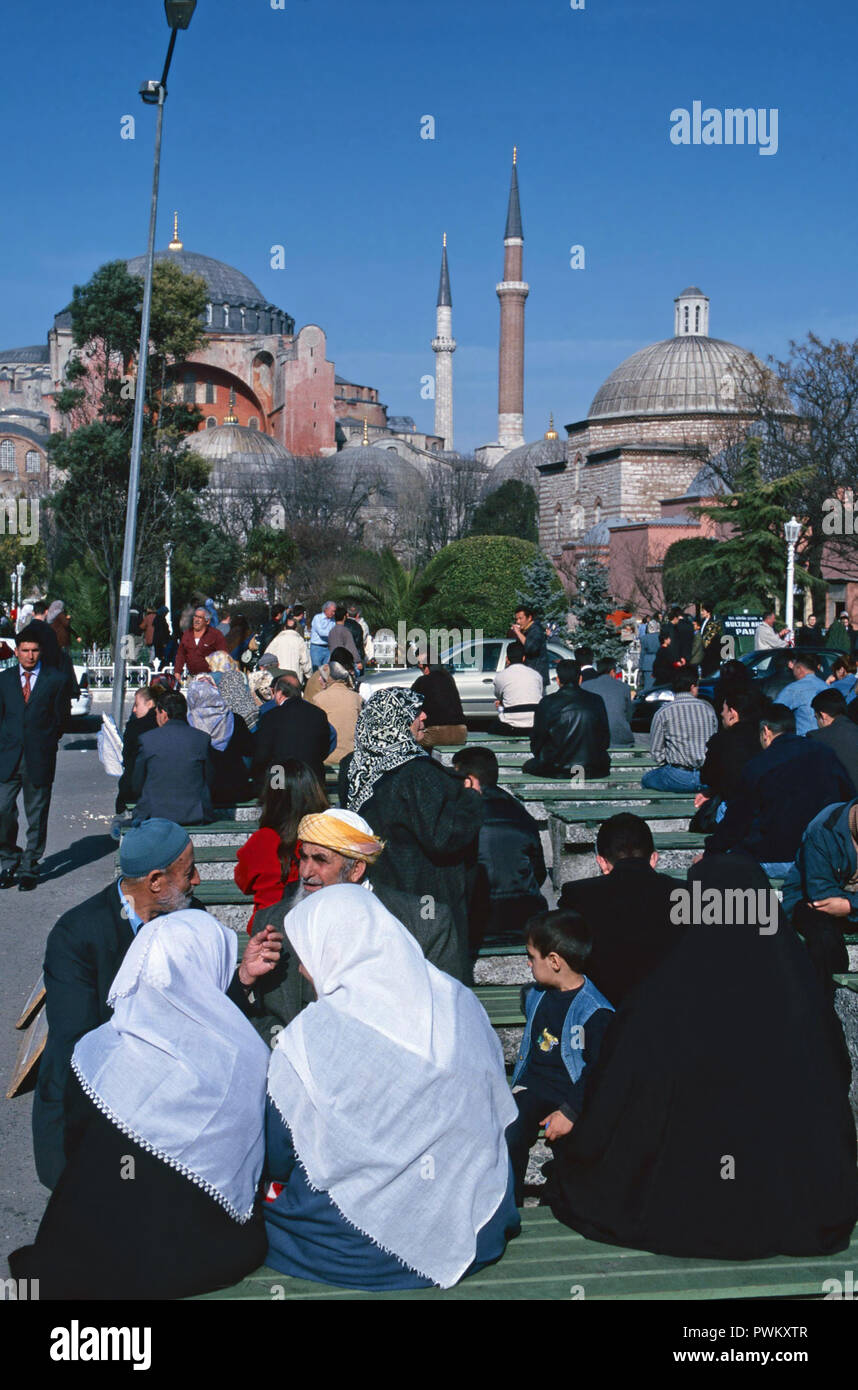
<point>165,1140</point>
<point>386,1162</point>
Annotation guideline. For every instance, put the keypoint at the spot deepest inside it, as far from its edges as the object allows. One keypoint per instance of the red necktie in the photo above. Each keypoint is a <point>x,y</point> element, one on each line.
<point>26,687</point>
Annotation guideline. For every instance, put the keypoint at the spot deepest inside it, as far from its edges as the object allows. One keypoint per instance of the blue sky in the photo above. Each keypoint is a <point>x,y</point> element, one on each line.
<point>301,126</point>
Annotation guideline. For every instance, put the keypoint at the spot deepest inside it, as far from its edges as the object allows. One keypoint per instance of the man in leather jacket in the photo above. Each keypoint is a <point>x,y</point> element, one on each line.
<point>570,730</point>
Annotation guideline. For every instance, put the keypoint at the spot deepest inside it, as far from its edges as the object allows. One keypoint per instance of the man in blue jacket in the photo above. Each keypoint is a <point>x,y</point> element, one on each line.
<point>821,889</point>
<point>798,695</point>
<point>779,793</point>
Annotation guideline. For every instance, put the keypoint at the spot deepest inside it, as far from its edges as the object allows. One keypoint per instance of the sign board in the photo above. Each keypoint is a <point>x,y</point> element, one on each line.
<point>741,627</point>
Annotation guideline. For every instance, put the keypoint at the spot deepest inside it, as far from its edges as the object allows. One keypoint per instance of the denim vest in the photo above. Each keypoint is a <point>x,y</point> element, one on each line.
<point>586,1002</point>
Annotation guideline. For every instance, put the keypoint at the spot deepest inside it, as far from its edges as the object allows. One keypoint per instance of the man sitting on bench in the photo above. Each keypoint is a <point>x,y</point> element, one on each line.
<point>570,730</point>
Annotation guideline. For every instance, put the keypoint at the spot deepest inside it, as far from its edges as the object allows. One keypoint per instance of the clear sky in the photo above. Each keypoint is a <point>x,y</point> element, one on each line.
<point>301,126</point>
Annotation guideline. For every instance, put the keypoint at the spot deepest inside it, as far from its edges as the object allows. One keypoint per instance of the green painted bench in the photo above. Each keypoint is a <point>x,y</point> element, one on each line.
<point>550,1261</point>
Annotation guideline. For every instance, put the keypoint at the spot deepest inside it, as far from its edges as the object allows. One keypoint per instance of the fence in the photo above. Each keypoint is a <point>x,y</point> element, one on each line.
<point>99,665</point>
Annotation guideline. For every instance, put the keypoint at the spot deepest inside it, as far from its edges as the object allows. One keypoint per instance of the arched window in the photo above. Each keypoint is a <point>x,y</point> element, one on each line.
<point>578,473</point>
<point>210,393</point>
<point>697,318</point>
<point>253,423</point>
<point>685,313</point>
<point>558,512</point>
<point>226,315</point>
<point>209,316</point>
<point>7,456</point>
<point>33,461</point>
<point>211,422</point>
<point>597,511</point>
<point>189,389</point>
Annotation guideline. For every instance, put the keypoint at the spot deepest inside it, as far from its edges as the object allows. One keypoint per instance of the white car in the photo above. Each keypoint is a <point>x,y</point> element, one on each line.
<point>474,666</point>
<point>82,706</point>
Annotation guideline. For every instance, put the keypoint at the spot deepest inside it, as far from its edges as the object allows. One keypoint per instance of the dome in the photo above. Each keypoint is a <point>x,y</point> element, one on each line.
<point>686,375</point>
<point>228,288</point>
<point>236,443</point>
<point>522,464</point>
<point>390,477</point>
<point>706,483</point>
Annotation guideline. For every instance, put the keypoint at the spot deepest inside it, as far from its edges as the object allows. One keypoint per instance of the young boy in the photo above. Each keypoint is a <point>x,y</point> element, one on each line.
<point>565,1021</point>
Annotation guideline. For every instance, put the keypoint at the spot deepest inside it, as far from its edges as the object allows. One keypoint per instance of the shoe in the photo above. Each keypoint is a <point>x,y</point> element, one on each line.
<point>7,878</point>
<point>27,882</point>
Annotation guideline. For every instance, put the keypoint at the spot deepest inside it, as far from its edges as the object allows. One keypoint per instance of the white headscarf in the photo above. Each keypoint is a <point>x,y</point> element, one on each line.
<point>208,712</point>
<point>393,1086</point>
<point>178,1068</point>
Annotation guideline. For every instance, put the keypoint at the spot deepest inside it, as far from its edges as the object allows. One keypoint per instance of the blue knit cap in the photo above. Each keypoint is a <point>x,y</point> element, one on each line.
<point>155,844</point>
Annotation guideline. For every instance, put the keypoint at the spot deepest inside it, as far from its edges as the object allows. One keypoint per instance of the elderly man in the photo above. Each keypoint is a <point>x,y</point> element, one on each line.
<point>197,643</point>
<point>319,629</point>
<point>290,650</point>
<point>765,637</point>
<point>86,948</point>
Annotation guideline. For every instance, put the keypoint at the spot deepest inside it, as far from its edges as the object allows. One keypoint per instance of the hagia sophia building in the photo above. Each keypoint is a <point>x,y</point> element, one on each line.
<point>619,485</point>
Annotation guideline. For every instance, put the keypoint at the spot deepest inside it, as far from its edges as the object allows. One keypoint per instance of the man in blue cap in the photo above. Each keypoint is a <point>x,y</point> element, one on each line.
<point>86,948</point>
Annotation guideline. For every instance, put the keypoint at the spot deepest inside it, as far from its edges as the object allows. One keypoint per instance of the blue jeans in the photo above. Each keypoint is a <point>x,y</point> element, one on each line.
<point>318,655</point>
<point>671,779</point>
<point>776,870</point>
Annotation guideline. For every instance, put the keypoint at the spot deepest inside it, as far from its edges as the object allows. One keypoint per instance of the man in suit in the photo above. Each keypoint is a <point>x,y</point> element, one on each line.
<point>627,909</point>
<point>173,773</point>
<point>86,948</point>
<point>618,701</point>
<point>34,709</point>
<point>834,728</point>
<point>570,730</point>
<point>295,729</point>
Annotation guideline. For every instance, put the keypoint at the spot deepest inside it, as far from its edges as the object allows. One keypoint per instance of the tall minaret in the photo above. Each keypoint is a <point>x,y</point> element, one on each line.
<point>512,292</point>
<point>444,345</point>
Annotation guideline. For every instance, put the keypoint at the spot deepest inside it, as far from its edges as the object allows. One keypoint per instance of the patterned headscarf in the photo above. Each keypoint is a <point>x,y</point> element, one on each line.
<point>207,710</point>
<point>383,740</point>
<point>233,688</point>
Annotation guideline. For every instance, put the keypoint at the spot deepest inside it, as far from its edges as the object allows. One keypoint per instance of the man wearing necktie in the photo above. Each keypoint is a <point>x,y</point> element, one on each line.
<point>34,709</point>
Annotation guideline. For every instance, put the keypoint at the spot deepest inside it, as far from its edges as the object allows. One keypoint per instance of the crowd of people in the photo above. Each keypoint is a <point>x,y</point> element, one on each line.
<point>332,1100</point>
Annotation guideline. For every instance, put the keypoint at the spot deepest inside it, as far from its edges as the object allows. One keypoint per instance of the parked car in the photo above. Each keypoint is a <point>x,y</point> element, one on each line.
<point>474,666</point>
<point>768,668</point>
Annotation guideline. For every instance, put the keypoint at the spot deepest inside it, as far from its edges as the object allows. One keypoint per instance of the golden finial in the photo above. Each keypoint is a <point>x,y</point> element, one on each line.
<point>551,432</point>
<point>176,244</point>
<point>231,418</point>
<point>515,154</point>
<point>445,239</point>
<point>365,439</point>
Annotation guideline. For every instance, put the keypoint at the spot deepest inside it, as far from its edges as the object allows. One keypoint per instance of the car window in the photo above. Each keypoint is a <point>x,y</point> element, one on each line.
<point>763,666</point>
<point>464,658</point>
<point>491,655</point>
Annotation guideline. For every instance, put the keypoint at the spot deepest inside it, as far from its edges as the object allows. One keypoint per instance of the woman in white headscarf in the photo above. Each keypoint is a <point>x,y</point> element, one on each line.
<point>165,1139</point>
<point>386,1163</point>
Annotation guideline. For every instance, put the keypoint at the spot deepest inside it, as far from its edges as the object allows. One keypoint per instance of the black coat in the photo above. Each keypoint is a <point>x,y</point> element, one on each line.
<point>683,639</point>
<point>173,774</point>
<point>230,774</point>
<point>570,729</point>
<point>727,752</point>
<point>442,703</point>
<point>536,649</point>
<point>842,738</point>
<point>34,728</point>
<point>510,850</point>
<point>134,731</point>
<point>295,729</point>
<point>628,912</point>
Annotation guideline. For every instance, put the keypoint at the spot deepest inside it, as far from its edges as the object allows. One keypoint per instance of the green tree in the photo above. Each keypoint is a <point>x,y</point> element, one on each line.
<point>475,582</point>
<point>591,605</point>
<point>682,575</point>
<point>89,507</point>
<point>387,592</point>
<point>85,594</point>
<point>751,563</point>
<point>271,554</point>
<point>511,510</point>
<point>541,590</point>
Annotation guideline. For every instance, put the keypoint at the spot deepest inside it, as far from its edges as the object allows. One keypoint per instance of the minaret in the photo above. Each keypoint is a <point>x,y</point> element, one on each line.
<point>444,345</point>
<point>512,292</point>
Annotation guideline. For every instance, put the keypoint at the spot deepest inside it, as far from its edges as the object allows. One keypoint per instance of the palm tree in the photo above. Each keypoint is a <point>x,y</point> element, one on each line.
<point>392,595</point>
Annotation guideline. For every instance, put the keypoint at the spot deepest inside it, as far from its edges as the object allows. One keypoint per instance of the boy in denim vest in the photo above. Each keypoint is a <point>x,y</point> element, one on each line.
<point>565,1021</point>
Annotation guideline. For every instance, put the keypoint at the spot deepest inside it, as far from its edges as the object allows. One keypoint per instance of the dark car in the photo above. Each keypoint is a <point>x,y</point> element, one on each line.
<point>768,668</point>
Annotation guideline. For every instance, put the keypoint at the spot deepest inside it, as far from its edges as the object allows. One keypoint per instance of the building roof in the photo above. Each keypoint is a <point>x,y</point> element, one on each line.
<point>706,483</point>
<point>401,424</point>
<point>25,355</point>
<point>522,464</point>
<point>686,375</point>
<point>223,443</point>
<point>444,296</point>
<point>600,534</point>
<point>384,471</point>
<point>513,212</point>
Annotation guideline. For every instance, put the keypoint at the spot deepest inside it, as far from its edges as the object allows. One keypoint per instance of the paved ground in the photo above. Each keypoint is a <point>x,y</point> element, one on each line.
<point>77,864</point>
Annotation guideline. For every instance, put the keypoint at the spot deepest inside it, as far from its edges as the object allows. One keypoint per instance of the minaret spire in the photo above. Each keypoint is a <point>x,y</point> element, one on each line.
<point>444,345</point>
<point>176,244</point>
<point>512,292</point>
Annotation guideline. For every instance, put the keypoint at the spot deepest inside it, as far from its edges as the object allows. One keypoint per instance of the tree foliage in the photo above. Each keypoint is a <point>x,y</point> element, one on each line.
<point>540,588</point>
<point>475,583</point>
<point>270,553</point>
<point>511,510</point>
<point>590,606</point>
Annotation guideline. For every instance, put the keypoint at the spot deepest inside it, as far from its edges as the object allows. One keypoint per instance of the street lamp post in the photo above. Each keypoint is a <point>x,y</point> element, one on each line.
<point>168,576</point>
<point>19,570</point>
<point>179,14</point>
<point>792,531</point>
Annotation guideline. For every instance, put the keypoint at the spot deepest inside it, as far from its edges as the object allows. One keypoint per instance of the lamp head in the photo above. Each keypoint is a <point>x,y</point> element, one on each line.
<point>792,531</point>
<point>179,12</point>
<point>150,91</point>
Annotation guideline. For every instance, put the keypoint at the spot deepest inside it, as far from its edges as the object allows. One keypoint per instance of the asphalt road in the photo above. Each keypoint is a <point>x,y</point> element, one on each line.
<point>78,862</point>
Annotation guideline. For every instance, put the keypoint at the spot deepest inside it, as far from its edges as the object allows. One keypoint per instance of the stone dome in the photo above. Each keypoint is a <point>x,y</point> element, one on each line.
<point>686,375</point>
<point>392,480</point>
<point>522,464</point>
<point>250,311</point>
<point>228,443</point>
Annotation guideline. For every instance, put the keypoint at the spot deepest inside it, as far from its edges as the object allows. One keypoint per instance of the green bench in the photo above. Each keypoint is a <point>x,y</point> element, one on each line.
<point>548,1261</point>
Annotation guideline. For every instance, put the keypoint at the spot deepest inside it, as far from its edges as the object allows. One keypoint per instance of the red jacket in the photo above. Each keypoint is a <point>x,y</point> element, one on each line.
<point>193,653</point>
<point>260,871</point>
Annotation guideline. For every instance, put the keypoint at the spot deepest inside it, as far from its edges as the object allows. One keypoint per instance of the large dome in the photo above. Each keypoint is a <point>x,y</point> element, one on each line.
<point>522,464</point>
<point>236,305</point>
<point>686,375</point>
<point>236,443</point>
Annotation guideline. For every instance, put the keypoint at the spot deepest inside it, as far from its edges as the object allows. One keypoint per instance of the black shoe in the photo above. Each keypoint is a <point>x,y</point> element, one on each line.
<point>7,878</point>
<point>27,882</point>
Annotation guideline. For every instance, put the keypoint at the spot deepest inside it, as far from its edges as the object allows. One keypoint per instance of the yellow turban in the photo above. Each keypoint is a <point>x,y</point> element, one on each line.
<point>343,831</point>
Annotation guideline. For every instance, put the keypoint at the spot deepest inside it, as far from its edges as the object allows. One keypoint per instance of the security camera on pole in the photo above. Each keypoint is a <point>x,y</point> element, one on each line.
<point>179,13</point>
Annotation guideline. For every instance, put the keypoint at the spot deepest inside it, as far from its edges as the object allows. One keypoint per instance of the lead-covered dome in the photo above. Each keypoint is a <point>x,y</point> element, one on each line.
<point>235,305</point>
<point>236,442</point>
<point>680,376</point>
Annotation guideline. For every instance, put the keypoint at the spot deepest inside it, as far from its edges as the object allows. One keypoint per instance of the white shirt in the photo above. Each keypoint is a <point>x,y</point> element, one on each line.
<point>518,685</point>
<point>291,652</point>
<point>766,638</point>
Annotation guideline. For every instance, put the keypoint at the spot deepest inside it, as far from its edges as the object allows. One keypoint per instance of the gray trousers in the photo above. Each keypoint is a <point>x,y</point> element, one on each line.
<point>37,803</point>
